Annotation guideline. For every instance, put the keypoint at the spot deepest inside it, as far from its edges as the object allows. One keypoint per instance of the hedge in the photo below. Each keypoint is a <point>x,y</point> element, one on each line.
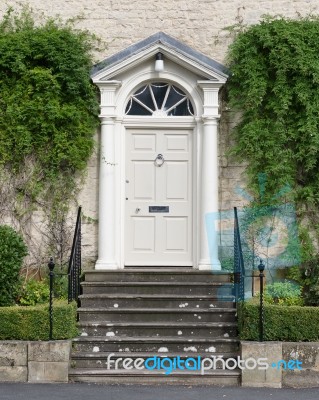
<point>282,323</point>
<point>32,323</point>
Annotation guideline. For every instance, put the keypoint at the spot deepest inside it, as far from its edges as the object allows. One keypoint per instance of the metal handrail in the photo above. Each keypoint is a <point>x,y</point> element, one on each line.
<point>239,267</point>
<point>74,270</point>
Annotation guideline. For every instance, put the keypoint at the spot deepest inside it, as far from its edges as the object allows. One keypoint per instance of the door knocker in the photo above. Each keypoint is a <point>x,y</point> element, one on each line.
<point>159,160</point>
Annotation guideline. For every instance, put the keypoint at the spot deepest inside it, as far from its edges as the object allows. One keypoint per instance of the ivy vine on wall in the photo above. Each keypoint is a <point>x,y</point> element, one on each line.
<point>48,116</point>
<point>274,83</point>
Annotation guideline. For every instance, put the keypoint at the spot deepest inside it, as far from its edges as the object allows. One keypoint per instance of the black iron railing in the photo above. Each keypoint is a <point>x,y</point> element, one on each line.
<point>261,268</point>
<point>74,271</point>
<point>239,267</point>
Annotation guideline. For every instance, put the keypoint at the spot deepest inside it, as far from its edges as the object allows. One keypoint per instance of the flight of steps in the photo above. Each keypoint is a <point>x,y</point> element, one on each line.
<point>147,312</point>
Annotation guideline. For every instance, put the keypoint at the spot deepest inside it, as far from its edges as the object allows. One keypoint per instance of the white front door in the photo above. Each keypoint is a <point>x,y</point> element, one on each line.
<point>158,220</point>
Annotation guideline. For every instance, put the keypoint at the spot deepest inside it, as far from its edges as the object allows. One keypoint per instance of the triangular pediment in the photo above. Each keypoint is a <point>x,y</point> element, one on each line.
<point>171,48</point>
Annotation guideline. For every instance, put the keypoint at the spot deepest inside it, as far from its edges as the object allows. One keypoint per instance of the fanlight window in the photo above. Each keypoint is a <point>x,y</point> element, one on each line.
<point>159,99</point>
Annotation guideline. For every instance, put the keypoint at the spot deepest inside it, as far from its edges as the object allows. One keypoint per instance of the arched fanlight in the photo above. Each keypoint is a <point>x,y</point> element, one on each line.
<point>159,99</point>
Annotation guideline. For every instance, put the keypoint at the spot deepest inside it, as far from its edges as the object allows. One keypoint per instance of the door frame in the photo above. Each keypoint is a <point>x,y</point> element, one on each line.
<point>118,77</point>
<point>182,123</point>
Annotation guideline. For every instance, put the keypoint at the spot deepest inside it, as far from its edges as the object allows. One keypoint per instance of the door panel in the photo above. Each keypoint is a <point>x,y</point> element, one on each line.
<point>177,142</point>
<point>158,228</point>
<point>144,180</point>
<point>177,179</point>
<point>143,234</point>
<point>176,234</point>
<point>144,142</point>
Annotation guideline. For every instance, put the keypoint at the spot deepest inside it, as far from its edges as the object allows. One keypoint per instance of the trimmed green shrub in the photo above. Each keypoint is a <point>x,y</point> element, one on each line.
<point>34,292</point>
<point>32,323</point>
<point>293,323</point>
<point>12,252</point>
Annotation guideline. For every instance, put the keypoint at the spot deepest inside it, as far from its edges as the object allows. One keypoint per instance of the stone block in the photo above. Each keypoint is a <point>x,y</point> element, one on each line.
<point>271,377</point>
<point>306,352</point>
<point>39,371</point>
<point>308,355</point>
<point>55,351</point>
<point>233,172</point>
<point>300,379</point>
<point>13,353</point>
<point>13,374</point>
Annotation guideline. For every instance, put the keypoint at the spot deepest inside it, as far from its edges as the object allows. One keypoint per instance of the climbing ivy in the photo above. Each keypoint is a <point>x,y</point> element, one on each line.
<point>274,83</point>
<point>48,106</point>
<point>48,115</point>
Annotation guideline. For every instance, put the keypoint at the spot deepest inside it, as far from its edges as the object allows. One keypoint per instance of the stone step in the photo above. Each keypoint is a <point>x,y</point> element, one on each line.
<point>158,275</point>
<point>100,360</point>
<point>212,378</point>
<point>157,315</point>
<point>145,312</point>
<point>160,301</point>
<point>121,329</point>
<point>155,345</point>
<point>157,288</point>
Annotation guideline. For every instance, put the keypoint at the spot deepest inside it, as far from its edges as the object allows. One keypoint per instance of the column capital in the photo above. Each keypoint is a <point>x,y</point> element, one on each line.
<point>107,85</point>
<point>107,103</point>
<point>210,105</point>
<point>210,85</point>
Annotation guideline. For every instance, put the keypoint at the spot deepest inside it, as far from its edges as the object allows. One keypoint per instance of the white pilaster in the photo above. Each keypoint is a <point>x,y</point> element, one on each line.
<point>107,194</point>
<point>208,259</point>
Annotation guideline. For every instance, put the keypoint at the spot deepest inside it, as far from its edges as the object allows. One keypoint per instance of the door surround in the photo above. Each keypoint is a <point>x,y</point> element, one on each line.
<point>201,82</point>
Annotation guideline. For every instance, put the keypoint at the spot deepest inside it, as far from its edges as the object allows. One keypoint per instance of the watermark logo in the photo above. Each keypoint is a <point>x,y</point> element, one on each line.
<point>268,232</point>
<point>170,364</point>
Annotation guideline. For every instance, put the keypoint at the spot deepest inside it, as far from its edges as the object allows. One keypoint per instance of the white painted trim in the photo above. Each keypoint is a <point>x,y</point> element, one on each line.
<point>125,78</point>
<point>151,264</point>
<point>209,196</point>
<point>107,206</point>
<point>150,53</point>
<point>151,122</point>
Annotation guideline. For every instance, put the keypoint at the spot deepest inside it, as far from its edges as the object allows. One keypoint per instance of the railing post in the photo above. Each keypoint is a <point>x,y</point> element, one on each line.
<point>51,266</point>
<point>261,268</point>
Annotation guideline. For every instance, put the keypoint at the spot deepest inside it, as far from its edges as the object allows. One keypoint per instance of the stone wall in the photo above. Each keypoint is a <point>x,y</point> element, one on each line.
<point>41,362</point>
<point>88,198</point>
<point>198,23</point>
<point>34,361</point>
